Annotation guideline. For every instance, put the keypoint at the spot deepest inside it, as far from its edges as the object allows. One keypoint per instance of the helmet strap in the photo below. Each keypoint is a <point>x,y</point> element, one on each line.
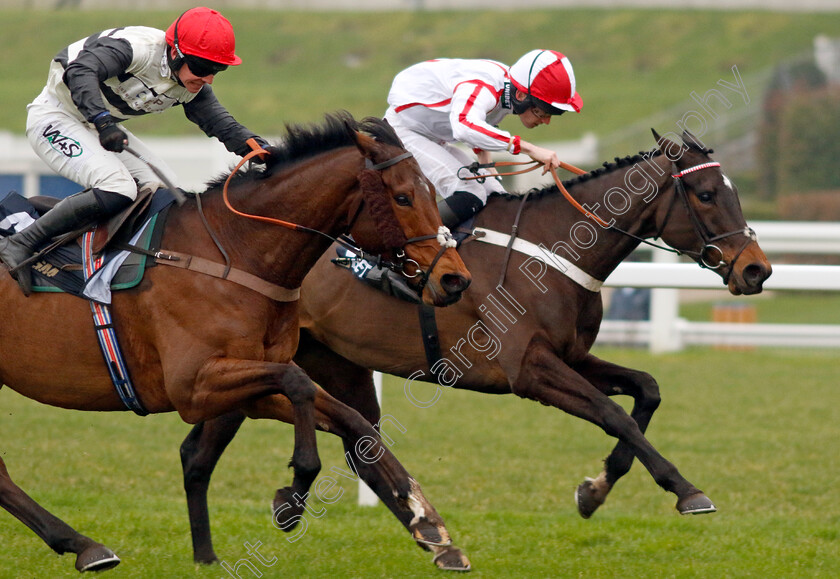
<point>175,63</point>
<point>175,38</point>
<point>519,106</point>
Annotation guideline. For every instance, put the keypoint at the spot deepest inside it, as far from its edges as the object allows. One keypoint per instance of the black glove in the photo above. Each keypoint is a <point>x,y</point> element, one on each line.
<point>253,144</point>
<point>111,136</point>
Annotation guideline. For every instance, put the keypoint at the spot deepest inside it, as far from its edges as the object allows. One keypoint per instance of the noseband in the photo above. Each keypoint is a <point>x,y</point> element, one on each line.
<point>443,236</point>
<point>401,263</point>
<point>705,255</point>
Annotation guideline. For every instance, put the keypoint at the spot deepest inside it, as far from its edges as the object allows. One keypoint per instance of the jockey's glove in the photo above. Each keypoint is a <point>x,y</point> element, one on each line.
<point>253,144</point>
<point>111,136</point>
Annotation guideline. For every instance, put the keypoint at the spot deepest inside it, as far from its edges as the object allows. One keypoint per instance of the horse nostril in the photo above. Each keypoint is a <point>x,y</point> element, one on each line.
<point>754,274</point>
<point>454,283</point>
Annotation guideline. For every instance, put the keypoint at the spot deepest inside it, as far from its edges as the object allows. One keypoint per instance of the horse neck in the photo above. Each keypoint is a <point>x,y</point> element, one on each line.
<point>315,194</point>
<point>635,208</point>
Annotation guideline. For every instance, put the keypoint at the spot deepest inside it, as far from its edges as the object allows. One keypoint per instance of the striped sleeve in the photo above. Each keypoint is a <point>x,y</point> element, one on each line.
<point>471,102</point>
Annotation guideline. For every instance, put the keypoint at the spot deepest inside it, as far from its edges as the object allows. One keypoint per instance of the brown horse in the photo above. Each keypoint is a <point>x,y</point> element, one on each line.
<point>530,334</point>
<point>204,346</point>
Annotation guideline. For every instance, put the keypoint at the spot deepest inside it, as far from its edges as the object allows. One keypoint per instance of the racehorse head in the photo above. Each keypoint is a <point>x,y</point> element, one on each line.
<point>350,177</point>
<point>400,220</point>
<point>710,228</point>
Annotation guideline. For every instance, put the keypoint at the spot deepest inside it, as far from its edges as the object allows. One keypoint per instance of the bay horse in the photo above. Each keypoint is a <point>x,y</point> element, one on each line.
<point>525,327</point>
<point>205,346</point>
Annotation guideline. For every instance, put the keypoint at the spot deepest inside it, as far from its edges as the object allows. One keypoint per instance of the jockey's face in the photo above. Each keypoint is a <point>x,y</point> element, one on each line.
<point>190,81</point>
<point>532,116</point>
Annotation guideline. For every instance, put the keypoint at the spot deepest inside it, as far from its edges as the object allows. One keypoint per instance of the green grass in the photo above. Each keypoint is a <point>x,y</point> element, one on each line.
<point>297,66</point>
<point>781,308</point>
<point>756,430</point>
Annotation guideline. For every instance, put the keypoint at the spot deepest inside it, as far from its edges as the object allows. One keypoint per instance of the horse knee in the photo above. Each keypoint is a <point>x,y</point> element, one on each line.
<point>298,387</point>
<point>649,396</point>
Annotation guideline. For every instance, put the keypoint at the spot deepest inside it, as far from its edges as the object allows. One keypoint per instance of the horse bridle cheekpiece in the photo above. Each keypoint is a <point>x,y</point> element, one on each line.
<point>443,235</point>
<point>709,249</point>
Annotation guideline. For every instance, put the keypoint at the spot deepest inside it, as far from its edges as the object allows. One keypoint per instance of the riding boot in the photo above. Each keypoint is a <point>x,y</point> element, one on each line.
<point>71,213</point>
<point>458,207</point>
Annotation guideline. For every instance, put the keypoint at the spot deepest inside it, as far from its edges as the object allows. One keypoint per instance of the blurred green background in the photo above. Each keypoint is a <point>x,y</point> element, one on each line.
<point>635,68</point>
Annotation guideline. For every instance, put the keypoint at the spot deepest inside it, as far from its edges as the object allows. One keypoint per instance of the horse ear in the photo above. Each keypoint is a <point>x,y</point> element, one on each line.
<point>669,148</point>
<point>691,141</point>
<point>365,144</point>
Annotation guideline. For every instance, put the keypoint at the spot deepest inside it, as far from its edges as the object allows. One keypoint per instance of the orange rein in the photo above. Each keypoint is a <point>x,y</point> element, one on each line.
<point>536,165</point>
<point>257,150</point>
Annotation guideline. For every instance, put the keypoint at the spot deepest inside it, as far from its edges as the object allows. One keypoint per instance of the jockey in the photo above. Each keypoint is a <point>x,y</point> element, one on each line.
<point>96,83</point>
<point>438,102</point>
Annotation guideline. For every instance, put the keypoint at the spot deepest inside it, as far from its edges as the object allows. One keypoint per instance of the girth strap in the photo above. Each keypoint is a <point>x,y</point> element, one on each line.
<point>221,271</point>
<point>429,333</point>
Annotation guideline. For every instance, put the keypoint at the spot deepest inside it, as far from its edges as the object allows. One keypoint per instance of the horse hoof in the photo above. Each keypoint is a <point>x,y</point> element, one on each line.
<point>697,504</point>
<point>451,559</point>
<point>586,499</point>
<point>96,558</point>
<point>287,512</point>
<point>428,535</point>
<point>206,559</point>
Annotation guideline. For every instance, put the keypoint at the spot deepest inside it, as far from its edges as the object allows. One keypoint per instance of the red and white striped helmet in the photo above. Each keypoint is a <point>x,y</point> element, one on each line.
<point>548,76</point>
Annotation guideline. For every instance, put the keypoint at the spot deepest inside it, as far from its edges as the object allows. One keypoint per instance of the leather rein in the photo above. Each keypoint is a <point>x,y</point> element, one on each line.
<point>443,235</point>
<point>703,257</point>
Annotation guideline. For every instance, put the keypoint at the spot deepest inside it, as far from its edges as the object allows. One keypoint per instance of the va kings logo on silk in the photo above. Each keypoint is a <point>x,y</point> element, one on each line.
<point>64,145</point>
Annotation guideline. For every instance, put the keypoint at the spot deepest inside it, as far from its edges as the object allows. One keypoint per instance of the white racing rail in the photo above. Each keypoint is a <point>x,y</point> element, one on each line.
<point>665,331</point>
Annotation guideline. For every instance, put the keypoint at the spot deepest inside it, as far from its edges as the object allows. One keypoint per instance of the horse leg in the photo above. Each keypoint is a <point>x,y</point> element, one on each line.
<point>227,384</point>
<point>353,385</point>
<point>612,379</point>
<point>58,535</point>
<point>200,452</point>
<point>374,463</point>
<point>546,378</point>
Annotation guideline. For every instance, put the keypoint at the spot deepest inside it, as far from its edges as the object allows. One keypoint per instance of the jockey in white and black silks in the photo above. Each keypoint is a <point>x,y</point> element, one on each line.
<point>439,102</point>
<point>100,81</point>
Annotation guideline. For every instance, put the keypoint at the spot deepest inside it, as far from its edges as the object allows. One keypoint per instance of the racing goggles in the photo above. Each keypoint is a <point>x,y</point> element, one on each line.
<point>202,67</point>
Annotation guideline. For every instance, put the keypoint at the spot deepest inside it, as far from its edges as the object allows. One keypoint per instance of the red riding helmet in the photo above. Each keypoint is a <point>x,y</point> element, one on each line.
<point>204,33</point>
<point>547,75</point>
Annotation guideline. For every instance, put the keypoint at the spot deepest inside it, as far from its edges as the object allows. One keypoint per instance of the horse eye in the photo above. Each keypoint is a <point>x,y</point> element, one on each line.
<point>403,200</point>
<point>705,197</point>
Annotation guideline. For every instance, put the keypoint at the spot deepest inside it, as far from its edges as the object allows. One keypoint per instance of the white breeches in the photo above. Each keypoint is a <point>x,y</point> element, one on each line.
<point>71,148</point>
<point>441,161</point>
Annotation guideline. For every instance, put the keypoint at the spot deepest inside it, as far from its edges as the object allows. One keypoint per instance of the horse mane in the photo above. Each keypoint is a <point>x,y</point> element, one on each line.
<point>604,169</point>
<point>305,141</point>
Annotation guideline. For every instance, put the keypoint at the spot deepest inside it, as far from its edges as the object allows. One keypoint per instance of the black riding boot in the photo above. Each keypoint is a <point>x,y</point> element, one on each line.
<point>68,214</point>
<point>458,207</point>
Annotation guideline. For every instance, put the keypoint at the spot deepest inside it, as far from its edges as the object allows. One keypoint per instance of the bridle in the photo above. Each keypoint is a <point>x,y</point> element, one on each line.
<point>703,257</point>
<point>398,265</point>
<point>443,237</point>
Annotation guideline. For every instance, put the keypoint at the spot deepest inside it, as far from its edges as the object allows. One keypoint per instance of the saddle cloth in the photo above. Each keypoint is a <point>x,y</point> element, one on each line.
<point>61,269</point>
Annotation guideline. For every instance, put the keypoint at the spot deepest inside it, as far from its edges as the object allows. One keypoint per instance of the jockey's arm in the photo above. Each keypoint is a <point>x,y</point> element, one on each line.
<point>103,59</point>
<point>547,157</point>
<point>207,112</point>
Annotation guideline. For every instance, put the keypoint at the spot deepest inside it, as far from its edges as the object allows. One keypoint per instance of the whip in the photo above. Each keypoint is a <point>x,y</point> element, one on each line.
<point>179,197</point>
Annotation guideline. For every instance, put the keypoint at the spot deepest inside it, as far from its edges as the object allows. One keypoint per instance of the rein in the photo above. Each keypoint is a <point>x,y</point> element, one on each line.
<point>443,235</point>
<point>703,256</point>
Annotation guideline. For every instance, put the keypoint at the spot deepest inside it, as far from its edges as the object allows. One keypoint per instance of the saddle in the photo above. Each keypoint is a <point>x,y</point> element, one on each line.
<point>60,268</point>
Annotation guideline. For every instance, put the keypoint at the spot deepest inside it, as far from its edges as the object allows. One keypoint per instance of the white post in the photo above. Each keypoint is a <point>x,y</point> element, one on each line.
<point>368,498</point>
<point>664,309</point>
